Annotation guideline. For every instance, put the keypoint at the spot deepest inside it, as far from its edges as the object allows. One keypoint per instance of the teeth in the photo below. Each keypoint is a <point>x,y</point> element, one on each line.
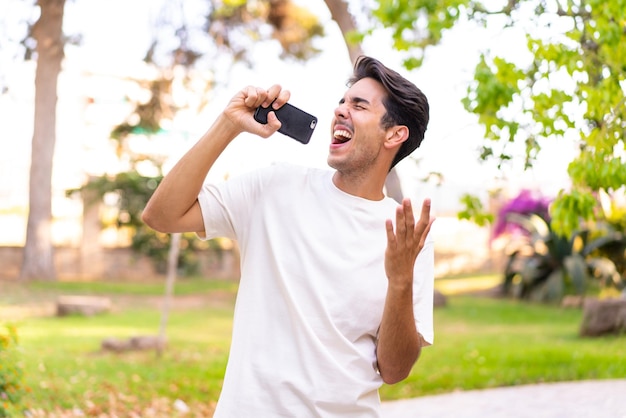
<point>342,134</point>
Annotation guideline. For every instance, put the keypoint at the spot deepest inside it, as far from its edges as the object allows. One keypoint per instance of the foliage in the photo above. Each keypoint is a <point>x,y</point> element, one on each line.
<point>12,387</point>
<point>130,192</point>
<point>544,265</point>
<point>614,207</point>
<point>226,34</point>
<point>417,24</point>
<point>589,55</point>
<point>573,85</point>
<point>235,27</point>
<point>525,203</point>
<point>567,208</point>
<point>474,211</point>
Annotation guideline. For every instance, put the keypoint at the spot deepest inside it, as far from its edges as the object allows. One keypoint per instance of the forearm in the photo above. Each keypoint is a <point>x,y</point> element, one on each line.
<point>399,343</point>
<point>177,193</point>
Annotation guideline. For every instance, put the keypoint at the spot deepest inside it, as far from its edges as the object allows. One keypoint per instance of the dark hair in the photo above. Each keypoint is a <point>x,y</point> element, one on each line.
<point>405,103</point>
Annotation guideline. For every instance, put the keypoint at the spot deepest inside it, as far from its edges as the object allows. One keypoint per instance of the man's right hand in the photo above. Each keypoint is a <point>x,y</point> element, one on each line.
<point>240,109</point>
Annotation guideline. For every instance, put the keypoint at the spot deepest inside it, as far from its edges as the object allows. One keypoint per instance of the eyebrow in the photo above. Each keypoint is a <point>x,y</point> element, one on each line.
<point>355,99</point>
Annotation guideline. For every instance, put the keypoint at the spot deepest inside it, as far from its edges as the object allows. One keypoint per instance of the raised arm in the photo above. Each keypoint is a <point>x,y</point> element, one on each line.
<point>174,206</point>
<point>399,342</point>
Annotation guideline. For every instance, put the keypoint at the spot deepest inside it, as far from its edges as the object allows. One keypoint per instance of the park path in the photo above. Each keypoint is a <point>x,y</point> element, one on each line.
<point>582,399</point>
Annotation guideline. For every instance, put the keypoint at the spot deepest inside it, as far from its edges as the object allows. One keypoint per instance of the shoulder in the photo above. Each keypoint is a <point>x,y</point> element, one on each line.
<point>276,178</point>
<point>296,169</point>
<point>284,171</point>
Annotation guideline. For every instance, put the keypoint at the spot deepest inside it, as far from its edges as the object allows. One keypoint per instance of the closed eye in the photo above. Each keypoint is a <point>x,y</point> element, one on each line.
<point>356,102</point>
<point>359,103</point>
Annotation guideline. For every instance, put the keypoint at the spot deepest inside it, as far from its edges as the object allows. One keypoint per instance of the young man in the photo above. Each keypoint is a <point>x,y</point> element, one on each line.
<point>335,298</point>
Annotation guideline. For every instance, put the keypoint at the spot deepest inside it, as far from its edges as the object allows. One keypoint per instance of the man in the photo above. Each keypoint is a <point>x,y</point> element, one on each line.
<point>335,298</point>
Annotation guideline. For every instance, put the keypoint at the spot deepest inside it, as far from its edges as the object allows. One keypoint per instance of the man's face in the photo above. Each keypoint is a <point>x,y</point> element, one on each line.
<point>356,132</point>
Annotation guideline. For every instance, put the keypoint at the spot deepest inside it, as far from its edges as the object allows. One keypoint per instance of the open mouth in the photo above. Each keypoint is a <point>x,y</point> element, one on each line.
<point>341,136</point>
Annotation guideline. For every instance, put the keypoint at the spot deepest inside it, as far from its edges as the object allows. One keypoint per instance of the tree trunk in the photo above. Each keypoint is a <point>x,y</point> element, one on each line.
<point>340,14</point>
<point>38,262</point>
<point>393,187</point>
<point>172,267</point>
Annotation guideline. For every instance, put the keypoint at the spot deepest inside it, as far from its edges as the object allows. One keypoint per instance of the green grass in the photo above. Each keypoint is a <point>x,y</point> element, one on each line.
<point>153,288</point>
<point>482,343</point>
<point>464,284</point>
<point>64,363</point>
<point>479,343</point>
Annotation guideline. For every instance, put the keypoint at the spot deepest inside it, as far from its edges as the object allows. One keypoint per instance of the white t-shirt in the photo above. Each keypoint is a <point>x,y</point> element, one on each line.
<point>311,294</point>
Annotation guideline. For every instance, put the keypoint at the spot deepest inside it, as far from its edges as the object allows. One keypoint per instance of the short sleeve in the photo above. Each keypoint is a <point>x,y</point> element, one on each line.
<point>226,206</point>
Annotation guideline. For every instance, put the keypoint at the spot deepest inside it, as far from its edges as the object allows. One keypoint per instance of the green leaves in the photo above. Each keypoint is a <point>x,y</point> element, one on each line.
<point>574,86</point>
<point>598,170</point>
<point>11,372</point>
<point>416,24</point>
<point>495,84</point>
<point>552,258</point>
<point>474,211</point>
<point>569,209</point>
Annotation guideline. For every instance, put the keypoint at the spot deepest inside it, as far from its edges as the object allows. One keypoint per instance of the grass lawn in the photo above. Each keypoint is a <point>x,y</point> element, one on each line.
<point>479,342</point>
<point>66,368</point>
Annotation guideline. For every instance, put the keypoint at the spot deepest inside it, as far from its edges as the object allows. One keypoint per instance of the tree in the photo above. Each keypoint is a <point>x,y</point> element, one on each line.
<point>170,280</point>
<point>574,84</point>
<point>38,262</point>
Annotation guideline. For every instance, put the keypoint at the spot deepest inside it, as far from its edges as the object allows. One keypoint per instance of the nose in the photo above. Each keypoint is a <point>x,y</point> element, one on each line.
<point>341,111</point>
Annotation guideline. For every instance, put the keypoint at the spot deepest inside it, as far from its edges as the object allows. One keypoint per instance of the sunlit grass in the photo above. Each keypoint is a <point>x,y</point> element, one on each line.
<point>65,365</point>
<point>466,284</point>
<point>151,288</point>
<point>481,343</point>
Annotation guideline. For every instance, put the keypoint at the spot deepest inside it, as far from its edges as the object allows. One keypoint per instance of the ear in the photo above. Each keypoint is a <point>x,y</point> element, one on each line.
<point>396,135</point>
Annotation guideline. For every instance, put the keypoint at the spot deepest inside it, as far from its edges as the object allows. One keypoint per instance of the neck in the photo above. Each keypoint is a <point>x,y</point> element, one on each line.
<point>366,187</point>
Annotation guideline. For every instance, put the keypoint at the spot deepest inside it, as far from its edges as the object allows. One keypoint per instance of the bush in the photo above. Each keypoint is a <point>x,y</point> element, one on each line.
<point>543,265</point>
<point>11,373</point>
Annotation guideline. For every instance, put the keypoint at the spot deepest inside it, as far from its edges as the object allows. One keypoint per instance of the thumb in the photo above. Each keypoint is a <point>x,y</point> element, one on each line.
<point>273,122</point>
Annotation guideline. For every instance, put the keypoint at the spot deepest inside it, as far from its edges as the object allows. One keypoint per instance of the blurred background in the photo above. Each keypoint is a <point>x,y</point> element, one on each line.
<point>116,52</point>
<point>524,159</point>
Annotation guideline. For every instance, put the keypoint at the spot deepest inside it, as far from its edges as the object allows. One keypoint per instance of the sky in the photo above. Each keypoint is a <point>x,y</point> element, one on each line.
<point>116,34</point>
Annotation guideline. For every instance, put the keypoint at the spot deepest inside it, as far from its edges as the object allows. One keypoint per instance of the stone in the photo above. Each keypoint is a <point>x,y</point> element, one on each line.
<point>147,342</point>
<point>572,301</point>
<point>115,345</point>
<point>82,305</point>
<point>603,316</point>
<point>136,343</point>
<point>439,299</point>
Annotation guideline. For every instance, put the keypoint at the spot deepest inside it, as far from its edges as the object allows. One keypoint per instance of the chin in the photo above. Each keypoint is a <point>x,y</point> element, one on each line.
<point>333,162</point>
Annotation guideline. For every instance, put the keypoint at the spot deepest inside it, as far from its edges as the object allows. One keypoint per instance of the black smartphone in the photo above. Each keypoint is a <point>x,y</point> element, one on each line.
<point>296,123</point>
